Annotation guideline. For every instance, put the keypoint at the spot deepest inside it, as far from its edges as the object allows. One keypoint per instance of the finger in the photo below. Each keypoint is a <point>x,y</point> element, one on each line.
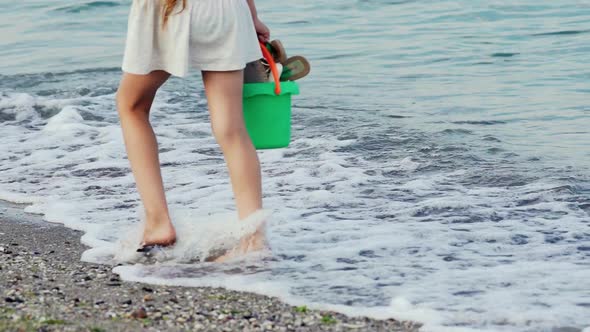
<point>263,38</point>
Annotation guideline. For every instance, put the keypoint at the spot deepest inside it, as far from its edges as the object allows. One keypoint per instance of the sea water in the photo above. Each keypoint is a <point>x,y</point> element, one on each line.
<point>439,168</point>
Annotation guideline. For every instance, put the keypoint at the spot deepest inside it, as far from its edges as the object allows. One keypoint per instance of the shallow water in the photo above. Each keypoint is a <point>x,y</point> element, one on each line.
<point>438,170</point>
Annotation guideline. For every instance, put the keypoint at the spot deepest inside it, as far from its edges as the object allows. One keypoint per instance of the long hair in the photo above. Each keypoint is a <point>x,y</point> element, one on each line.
<point>169,6</point>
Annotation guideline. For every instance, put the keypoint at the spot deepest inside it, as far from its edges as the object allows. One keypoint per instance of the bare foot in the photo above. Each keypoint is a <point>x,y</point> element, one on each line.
<point>249,243</point>
<point>162,234</point>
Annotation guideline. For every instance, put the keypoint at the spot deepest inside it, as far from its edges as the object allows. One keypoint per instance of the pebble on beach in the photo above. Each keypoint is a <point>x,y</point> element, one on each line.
<point>45,287</point>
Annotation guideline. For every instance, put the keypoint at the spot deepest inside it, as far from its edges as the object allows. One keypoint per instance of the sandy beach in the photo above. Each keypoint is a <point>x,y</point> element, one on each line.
<point>45,287</point>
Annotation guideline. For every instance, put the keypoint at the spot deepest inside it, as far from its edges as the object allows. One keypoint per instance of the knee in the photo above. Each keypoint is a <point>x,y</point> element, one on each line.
<point>229,134</point>
<point>127,105</point>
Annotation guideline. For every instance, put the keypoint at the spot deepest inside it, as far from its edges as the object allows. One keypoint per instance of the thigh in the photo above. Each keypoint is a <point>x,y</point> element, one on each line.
<point>224,96</point>
<point>136,90</point>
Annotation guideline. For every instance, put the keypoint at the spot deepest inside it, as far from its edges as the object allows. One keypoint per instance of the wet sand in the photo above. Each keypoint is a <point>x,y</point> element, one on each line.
<point>45,287</point>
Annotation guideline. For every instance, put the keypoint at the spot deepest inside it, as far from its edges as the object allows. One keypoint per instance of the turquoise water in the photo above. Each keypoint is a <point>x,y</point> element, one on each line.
<point>440,153</point>
<point>520,69</point>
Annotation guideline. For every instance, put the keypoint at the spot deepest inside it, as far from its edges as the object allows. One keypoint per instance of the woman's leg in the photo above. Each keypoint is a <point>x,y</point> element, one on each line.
<point>134,100</point>
<point>224,96</point>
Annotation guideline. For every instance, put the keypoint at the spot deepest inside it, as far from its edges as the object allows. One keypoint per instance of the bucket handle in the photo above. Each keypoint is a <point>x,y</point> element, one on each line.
<point>273,67</point>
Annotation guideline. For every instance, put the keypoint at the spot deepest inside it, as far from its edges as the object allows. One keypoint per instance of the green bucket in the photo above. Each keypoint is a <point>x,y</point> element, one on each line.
<point>268,115</point>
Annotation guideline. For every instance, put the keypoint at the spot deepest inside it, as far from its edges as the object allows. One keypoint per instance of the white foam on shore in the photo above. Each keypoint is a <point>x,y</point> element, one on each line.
<point>348,233</point>
<point>197,240</point>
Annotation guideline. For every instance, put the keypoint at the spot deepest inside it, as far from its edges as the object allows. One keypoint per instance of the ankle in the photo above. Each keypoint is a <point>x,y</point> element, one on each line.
<point>158,218</point>
<point>244,213</point>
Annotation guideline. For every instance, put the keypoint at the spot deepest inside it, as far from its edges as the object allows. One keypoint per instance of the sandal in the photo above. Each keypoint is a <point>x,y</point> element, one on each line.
<point>278,51</point>
<point>295,68</point>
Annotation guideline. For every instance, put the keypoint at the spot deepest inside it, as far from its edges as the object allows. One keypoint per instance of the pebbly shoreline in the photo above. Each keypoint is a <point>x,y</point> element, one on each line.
<point>45,287</point>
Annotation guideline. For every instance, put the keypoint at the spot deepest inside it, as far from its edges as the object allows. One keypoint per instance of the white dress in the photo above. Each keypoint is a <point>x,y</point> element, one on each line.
<point>213,35</point>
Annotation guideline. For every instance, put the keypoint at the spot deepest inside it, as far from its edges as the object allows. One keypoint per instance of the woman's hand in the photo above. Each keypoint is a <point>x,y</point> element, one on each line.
<point>262,31</point>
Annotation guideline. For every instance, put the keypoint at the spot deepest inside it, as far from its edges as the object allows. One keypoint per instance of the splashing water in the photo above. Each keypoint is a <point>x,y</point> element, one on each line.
<point>438,174</point>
